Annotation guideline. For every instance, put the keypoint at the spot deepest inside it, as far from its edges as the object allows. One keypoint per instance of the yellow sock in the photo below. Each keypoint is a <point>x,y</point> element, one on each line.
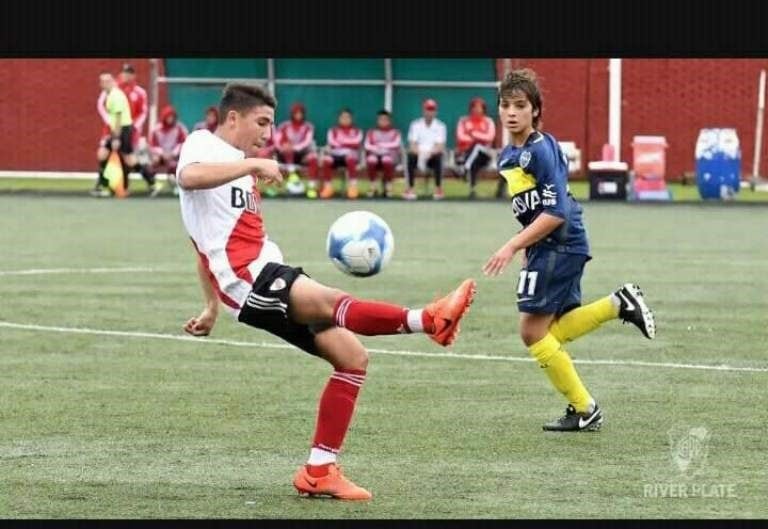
<point>557,364</point>
<point>582,320</point>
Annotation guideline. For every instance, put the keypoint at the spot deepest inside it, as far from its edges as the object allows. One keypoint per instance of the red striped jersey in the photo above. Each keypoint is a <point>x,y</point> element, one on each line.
<point>137,98</point>
<point>224,222</point>
<point>383,141</point>
<point>299,135</point>
<point>167,139</point>
<point>471,130</point>
<point>344,140</point>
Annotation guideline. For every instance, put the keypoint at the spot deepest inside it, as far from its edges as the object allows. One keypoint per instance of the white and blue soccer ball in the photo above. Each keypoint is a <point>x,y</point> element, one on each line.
<point>360,243</point>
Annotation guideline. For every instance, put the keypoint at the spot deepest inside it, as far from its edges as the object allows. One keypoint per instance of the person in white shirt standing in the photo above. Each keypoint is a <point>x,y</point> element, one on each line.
<point>239,266</point>
<point>426,146</point>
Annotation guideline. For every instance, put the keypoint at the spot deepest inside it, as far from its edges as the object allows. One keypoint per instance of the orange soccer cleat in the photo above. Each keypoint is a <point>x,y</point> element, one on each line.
<point>333,484</point>
<point>448,311</point>
<point>352,192</point>
<point>326,191</point>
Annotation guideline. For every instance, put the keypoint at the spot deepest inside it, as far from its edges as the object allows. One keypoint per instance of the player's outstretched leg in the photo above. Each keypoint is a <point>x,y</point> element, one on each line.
<point>321,476</point>
<point>626,303</point>
<point>313,303</point>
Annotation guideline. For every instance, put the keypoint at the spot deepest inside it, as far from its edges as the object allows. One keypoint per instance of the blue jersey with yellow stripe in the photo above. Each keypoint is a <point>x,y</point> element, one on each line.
<point>537,180</point>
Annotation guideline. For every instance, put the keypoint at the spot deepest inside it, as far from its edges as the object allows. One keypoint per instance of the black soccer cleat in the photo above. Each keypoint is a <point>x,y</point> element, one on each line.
<point>632,308</point>
<point>574,421</point>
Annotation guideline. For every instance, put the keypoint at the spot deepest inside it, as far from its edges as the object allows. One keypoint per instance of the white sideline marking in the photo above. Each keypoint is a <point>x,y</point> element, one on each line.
<point>274,345</point>
<point>68,175</point>
<point>42,271</point>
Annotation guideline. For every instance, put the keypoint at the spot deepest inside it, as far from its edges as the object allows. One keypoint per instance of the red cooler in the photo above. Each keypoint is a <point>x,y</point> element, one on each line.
<point>649,168</point>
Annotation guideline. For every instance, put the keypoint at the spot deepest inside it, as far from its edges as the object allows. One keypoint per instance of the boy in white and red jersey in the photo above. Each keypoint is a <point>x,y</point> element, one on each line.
<point>294,141</point>
<point>474,139</point>
<point>241,267</point>
<point>165,143</point>
<point>382,151</point>
<point>344,141</point>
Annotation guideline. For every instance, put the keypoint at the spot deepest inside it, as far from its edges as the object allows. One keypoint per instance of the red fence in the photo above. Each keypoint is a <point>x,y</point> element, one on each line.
<point>48,113</point>
<point>667,97</point>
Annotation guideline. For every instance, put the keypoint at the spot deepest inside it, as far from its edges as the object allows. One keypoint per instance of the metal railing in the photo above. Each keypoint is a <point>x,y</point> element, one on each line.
<point>388,83</point>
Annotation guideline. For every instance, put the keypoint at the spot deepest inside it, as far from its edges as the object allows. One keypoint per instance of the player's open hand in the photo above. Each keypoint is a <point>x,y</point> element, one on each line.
<point>499,261</point>
<point>202,325</point>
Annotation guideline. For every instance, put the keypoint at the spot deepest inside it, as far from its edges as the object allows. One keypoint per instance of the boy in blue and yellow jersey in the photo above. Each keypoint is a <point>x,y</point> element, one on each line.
<point>555,246</point>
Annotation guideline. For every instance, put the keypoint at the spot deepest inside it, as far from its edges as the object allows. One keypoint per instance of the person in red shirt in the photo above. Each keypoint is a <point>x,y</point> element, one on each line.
<point>294,141</point>
<point>137,99</point>
<point>165,142</point>
<point>382,151</point>
<point>344,141</point>
<point>474,140</point>
<point>211,120</point>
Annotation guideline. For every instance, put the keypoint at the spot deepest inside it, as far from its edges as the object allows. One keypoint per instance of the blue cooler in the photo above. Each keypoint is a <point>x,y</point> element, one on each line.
<point>718,163</point>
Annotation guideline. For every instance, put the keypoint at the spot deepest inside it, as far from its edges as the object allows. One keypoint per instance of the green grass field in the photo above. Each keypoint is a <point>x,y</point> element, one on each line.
<point>454,188</point>
<point>107,411</point>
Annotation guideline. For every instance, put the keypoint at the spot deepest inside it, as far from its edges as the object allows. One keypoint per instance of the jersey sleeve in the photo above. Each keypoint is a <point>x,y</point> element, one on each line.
<point>192,151</point>
<point>550,181</point>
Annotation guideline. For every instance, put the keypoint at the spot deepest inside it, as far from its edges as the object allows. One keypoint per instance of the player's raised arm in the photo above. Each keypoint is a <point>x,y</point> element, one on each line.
<point>207,175</point>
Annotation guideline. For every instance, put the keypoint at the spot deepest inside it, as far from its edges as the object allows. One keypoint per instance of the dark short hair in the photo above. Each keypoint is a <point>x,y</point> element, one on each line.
<point>525,81</point>
<point>384,112</point>
<point>345,110</point>
<point>128,68</point>
<point>242,97</point>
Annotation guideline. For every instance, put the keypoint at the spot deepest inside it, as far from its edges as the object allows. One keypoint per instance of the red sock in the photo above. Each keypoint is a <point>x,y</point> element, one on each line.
<point>337,404</point>
<point>312,168</point>
<point>389,172</point>
<point>371,167</point>
<point>352,166</point>
<point>374,318</point>
<point>327,171</point>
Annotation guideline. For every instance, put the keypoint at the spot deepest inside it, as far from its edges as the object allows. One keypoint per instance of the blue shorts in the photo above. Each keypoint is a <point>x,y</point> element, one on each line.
<point>551,281</point>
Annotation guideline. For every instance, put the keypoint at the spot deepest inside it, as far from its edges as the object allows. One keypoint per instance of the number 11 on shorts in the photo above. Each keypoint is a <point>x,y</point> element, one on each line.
<point>530,279</point>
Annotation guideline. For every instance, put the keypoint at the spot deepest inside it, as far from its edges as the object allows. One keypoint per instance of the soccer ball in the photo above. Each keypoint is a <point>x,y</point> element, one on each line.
<point>360,243</point>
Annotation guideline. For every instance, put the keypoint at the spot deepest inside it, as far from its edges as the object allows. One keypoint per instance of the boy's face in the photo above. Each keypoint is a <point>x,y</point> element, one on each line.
<point>106,81</point>
<point>345,119</point>
<point>383,121</point>
<point>253,128</point>
<point>516,112</point>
